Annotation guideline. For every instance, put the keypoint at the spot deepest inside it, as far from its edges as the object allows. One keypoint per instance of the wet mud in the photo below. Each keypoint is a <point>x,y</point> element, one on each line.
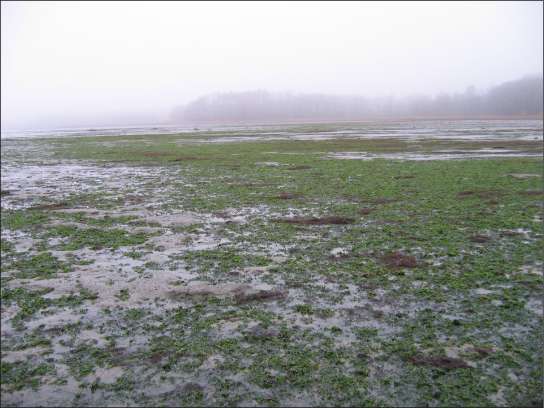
<point>190,269</point>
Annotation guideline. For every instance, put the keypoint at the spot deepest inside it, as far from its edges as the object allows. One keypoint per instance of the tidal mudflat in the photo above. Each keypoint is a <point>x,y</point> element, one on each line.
<point>322,264</point>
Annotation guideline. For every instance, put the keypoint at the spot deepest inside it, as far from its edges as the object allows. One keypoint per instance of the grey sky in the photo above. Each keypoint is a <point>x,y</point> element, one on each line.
<point>93,63</point>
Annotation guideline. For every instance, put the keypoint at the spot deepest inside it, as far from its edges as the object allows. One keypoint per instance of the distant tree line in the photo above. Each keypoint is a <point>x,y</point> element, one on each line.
<point>514,98</point>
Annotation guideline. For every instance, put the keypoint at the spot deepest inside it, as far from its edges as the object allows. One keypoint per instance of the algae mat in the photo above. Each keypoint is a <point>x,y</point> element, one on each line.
<point>368,264</point>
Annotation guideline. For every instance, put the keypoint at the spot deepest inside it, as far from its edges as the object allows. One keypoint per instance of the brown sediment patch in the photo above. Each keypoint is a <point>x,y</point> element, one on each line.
<point>219,291</point>
<point>365,211</point>
<point>316,221</point>
<point>438,361</point>
<point>293,250</point>
<point>416,215</point>
<point>377,313</point>
<point>404,177</point>
<point>261,296</point>
<point>384,300</point>
<point>299,168</point>
<point>397,260</point>
<point>57,206</point>
<point>339,258</point>
<point>288,197</point>
<point>479,238</point>
<point>483,352</point>
<point>482,193</point>
<point>131,199</point>
<point>380,201</point>
<point>51,330</point>
<point>185,158</point>
<point>530,193</point>
<point>294,285</point>
<point>191,386</point>
<point>532,285</point>
<point>493,202</point>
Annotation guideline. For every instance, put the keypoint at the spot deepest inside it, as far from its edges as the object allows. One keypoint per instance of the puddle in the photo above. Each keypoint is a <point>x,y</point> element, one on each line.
<point>422,157</point>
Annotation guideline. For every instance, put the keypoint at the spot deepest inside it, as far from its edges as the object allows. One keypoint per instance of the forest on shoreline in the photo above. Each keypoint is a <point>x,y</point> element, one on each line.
<point>522,98</point>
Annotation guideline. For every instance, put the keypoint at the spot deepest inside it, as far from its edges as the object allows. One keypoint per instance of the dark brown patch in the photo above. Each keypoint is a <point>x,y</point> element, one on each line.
<point>351,312</point>
<point>397,260</point>
<point>294,285</point>
<point>182,159</point>
<point>261,296</point>
<point>117,350</point>
<point>172,392</point>
<point>300,168</point>
<point>483,352</point>
<point>365,211</point>
<point>533,285</point>
<point>261,333</point>
<point>493,202</point>
<point>51,330</point>
<point>57,206</point>
<point>157,357</point>
<point>530,193</point>
<point>293,250</point>
<point>438,361</point>
<point>339,257</point>
<point>131,199</point>
<point>479,238</point>
<point>288,196</point>
<point>384,300</point>
<point>316,221</point>
<point>370,287</point>
<point>377,313</point>
<point>190,387</point>
<point>404,177</point>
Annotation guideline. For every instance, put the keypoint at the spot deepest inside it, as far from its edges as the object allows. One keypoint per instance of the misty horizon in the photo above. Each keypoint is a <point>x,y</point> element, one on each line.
<point>168,117</point>
<point>87,64</point>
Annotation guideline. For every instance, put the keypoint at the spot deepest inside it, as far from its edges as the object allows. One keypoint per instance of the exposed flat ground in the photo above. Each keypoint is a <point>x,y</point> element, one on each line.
<point>371,263</point>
